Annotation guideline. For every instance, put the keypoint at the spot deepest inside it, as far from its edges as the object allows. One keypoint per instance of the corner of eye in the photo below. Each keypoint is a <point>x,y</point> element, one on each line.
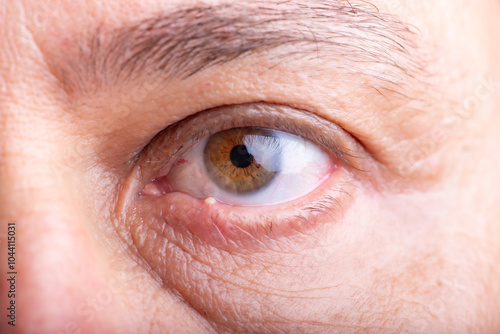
<point>151,190</point>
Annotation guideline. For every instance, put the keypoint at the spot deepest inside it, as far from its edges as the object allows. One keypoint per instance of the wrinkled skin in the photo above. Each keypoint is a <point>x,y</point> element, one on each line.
<point>415,247</point>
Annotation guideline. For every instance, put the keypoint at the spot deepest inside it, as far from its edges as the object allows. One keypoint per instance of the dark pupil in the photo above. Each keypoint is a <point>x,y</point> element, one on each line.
<point>240,157</point>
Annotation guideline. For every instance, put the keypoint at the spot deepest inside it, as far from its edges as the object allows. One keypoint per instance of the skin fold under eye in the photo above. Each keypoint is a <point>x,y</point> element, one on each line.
<point>235,175</point>
<point>250,167</point>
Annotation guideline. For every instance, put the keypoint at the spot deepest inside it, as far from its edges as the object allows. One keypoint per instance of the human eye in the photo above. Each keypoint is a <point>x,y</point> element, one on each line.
<point>247,166</point>
<point>244,172</point>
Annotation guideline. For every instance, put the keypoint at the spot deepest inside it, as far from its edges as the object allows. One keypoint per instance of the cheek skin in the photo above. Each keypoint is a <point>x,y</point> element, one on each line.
<point>387,261</point>
<point>350,272</point>
<point>224,263</point>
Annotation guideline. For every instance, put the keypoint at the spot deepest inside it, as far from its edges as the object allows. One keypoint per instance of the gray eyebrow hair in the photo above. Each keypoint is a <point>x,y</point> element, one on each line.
<point>184,42</point>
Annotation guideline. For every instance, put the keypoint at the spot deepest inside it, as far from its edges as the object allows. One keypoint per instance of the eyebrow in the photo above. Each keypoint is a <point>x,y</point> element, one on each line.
<point>181,43</point>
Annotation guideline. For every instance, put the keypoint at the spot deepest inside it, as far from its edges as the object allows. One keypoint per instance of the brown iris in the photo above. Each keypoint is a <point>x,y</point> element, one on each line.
<point>242,160</point>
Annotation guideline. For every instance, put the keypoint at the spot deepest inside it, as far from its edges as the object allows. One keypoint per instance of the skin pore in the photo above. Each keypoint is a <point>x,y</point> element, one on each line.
<point>99,98</point>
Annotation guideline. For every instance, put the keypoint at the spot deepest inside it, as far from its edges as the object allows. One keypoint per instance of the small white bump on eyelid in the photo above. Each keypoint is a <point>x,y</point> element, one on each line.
<point>210,200</point>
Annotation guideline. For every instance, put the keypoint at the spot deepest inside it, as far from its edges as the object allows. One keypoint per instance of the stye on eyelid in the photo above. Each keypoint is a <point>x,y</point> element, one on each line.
<point>210,200</point>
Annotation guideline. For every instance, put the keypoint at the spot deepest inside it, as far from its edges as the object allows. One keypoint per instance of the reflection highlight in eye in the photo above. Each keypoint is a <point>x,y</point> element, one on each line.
<point>250,167</point>
<point>243,160</point>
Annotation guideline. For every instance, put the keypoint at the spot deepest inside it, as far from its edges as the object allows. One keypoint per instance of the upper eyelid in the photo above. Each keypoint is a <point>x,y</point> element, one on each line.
<point>185,133</point>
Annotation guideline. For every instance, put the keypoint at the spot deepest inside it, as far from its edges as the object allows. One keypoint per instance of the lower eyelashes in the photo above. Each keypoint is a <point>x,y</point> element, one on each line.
<point>234,228</point>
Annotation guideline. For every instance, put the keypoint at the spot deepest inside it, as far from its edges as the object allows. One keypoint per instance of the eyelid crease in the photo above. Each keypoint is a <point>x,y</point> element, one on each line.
<point>158,155</point>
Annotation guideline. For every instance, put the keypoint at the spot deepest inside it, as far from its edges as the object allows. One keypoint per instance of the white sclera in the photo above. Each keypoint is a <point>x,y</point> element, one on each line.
<point>303,166</point>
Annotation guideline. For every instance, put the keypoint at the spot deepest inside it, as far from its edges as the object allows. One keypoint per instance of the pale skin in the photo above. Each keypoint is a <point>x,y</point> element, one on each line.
<point>413,248</point>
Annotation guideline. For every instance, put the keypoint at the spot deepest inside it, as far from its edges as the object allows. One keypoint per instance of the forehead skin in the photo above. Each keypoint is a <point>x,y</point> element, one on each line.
<point>441,276</point>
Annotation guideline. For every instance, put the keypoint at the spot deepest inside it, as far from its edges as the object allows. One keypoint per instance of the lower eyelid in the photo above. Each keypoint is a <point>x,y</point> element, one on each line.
<point>235,228</point>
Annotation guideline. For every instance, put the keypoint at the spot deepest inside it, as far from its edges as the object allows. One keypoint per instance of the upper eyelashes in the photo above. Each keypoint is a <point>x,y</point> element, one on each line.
<point>175,140</point>
<point>248,155</point>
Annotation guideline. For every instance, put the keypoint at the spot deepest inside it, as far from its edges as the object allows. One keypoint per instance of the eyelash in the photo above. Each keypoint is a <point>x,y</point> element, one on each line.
<point>158,157</point>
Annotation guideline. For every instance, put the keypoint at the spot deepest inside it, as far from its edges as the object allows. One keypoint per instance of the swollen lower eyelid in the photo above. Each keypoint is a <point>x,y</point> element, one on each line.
<point>236,228</point>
